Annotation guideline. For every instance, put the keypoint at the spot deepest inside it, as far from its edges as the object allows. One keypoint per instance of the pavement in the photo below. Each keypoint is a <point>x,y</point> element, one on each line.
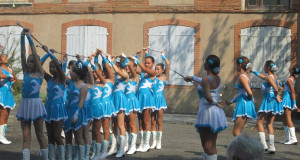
<point>180,141</point>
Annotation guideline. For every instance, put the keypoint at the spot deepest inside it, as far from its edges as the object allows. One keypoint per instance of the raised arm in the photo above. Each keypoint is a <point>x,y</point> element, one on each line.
<point>108,69</point>
<point>261,76</point>
<point>151,72</point>
<point>123,74</point>
<point>23,52</point>
<point>168,65</point>
<point>131,68</point>
<point>34,54</point>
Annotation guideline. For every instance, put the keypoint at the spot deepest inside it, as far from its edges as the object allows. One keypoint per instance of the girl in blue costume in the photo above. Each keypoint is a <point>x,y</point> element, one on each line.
<point>55,106</point>
<point>77,92</point>
<point>7,101</point>
<point>31,107</point>
<point>270,105</point>
<point>245,107</point>
<point>107,78</point>
<point>96,105</point>
<point>289,104</point>
<point>210,118</point>
<point>145,97</point>
<point>133,105</point>
<point>121,105</point>
<point>162,75</point>
<point>89,81</point>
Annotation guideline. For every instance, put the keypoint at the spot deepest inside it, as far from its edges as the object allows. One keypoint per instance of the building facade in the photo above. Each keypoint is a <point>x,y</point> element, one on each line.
<point>188,30</point>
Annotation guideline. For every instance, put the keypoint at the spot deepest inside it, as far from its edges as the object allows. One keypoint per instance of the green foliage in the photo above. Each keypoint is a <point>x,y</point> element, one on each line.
<point>17,87</point>
<point>11,47</point>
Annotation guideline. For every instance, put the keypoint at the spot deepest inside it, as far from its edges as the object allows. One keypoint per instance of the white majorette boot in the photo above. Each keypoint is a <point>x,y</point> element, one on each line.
<point>141,141</point>
<point>97,151</point>
<point>126,142</point>
<point>113,146</point>
<point>81,151</point>
<point>146,146</point>
<point>153,145</point>
<point>3,140</point>
<point>121,151</point>
<point>159,135</point>
<point>51,149</point>
<point>87,149</point>
<point>26,154</point>
<point>262,138</point>
<point>132,148</point>
<point>212,157</point>
<point>203,156</point>
<point>61,152</point>
<point>292,136</point>
<point>272,145</point>
<point>104,150</point>
<point>44,153</point>
<point>69,152</point>
<point>76,152</point>
<point>287,135</point>
<point>94,149</point>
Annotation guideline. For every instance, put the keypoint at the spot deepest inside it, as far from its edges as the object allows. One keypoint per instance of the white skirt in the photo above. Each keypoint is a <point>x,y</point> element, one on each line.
<point>31,109</point>
<point>210,116</point>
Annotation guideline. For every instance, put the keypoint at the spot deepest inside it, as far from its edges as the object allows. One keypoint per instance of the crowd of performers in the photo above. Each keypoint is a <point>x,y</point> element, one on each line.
<point>87,96</point>
<point>95,96</point>
<point>211,118</point>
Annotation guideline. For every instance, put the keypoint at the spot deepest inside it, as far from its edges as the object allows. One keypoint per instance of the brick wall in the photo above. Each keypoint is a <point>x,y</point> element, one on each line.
<point>130,6</point>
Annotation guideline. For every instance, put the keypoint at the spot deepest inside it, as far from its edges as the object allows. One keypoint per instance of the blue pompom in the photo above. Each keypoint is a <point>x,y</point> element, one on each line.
<point>272,64</point>
<point>210,61</point>
<point>297,70</point>
<point>240,60</point>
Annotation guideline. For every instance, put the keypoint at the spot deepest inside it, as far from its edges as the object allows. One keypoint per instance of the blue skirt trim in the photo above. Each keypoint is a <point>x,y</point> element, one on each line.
<point>270,104</point>
<point>219,130</point>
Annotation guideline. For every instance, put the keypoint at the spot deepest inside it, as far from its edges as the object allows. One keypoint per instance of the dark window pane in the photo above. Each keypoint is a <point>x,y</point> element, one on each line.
<point>285,2</point>
<point>269,2</point>
<point>252,2</point>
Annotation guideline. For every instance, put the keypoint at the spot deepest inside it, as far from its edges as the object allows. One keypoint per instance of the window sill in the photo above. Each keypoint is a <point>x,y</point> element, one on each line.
<point>13,5</point>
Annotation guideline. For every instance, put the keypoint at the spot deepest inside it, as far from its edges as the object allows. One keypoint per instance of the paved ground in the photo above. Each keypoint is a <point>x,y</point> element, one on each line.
<point>180,141</point>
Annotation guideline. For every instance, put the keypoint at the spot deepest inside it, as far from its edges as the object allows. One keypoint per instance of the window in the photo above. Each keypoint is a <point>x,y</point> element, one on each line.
<point>10,44</point>
<point>84,40</point>
<point>267,5</point>
<point>178,43</point>
<point>260,44</point>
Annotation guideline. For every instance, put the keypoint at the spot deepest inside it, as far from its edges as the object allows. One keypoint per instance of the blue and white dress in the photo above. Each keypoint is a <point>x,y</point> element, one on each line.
<point>158,90</point>
<point>133,103</point>
<point>287,96</point>
<point>144,93</point>
<point>72,101</point>
<point>244,106</point>
<point>119,97</point>
<point>7,99</point>
<point>55,104</point>
<point>31,106</point>
<point>107,103</point>
<point>269,103</point>
<point>87,106</point>
<point>97,107</point>
<point>210,115</point>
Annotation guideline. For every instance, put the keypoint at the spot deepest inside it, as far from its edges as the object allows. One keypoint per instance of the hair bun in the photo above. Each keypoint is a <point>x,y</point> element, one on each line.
<point>216,70</point>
